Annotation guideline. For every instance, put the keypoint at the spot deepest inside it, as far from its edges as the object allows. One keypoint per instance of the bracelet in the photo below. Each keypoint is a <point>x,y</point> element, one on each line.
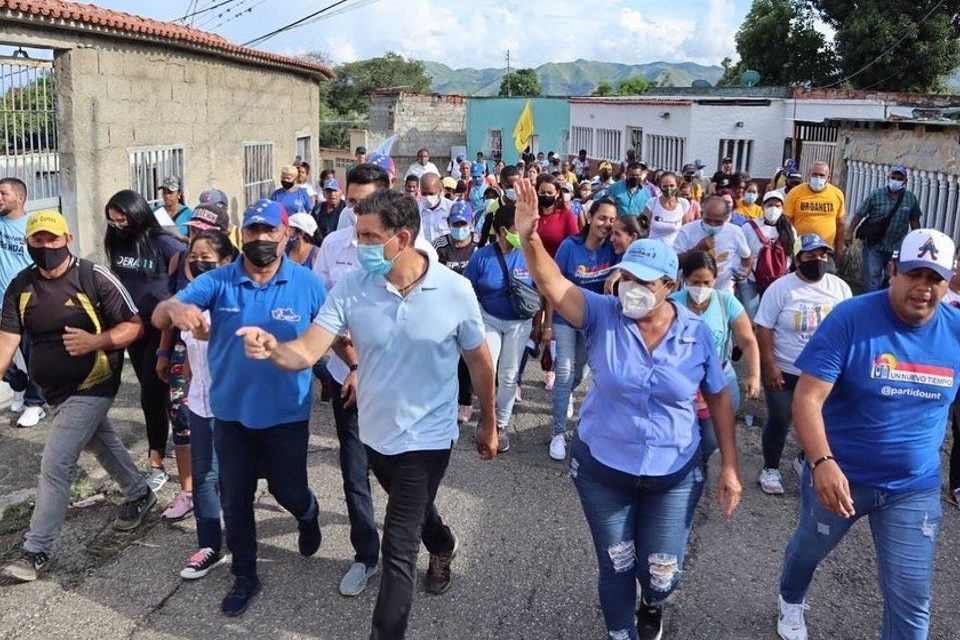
<point>545,327</point>
<point>353,367</point>
<point>820,461</point>
<point>163,353</point>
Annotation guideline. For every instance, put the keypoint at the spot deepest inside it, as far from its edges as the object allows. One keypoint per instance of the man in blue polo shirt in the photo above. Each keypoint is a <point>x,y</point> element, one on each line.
<point>261,413</point>
<point>630,194</point>
<point>410,319</point>
<point>870,408</point>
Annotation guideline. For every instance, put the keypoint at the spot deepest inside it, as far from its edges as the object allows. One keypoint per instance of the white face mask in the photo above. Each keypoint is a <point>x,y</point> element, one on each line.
<point>637,301</point>
<point>895,185</point>
<point>432,201</point>
<point>772,214</point>
<point>699,294</point>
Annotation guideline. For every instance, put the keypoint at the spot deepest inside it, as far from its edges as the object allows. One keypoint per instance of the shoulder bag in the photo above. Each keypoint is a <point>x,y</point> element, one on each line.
<point>524,299</point>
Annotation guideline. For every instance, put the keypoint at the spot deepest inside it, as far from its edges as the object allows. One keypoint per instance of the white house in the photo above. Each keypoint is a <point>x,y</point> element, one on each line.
<point>757,131</point>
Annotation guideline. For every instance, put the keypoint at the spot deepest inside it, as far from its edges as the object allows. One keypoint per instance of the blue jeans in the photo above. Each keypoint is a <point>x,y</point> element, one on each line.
<point>749,297</point>
<point>280,452</point>
<point>206,483</point>
<point>874,267</point>
<point>570,367</point>
<point>904,527</point>
<point>18,379</point>
<point>708,435</point>
<point>640,526</point>
<point>355,471</point>
<point>779,419</point>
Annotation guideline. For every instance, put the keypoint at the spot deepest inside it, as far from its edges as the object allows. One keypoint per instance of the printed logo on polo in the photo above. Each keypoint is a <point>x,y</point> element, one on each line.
<point>887,367</point>
<point>285,313</point>
<point>520,273</point>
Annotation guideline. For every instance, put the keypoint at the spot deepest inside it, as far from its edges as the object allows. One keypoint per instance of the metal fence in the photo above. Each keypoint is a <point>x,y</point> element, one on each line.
<point>258,173</point>
<point>29,149</point>
<point>151,166</point>
<point>938,192</point>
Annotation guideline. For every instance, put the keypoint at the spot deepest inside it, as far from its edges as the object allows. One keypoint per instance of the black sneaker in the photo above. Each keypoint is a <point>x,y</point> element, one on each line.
<point>438,575</point>
<point>239,597</point>
<point>649,622</point>
<point>310,536</point>
<point>131,514</point>
<point>201,563</point>
<point>27,567</point>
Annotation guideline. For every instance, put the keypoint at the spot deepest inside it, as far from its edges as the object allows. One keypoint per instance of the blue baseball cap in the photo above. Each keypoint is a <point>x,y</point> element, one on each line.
<point>899,168</point>
<point>332,184</point>
<point>812,242</point>
<point>266,212</point>
<point>477,169</point>
<point>649,260</point>
<point>461,211</point>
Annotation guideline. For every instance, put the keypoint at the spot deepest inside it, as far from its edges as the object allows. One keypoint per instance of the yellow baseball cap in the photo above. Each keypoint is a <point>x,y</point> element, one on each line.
<point>48,220</point>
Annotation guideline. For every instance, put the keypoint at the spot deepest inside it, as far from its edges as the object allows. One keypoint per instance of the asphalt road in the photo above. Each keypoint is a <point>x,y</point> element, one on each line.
<point>526,569</point>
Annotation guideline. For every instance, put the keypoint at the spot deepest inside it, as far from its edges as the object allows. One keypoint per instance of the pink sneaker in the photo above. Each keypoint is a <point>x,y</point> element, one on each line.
<point>549,378</point>
<point>464,413</point>
<point>181,506</point>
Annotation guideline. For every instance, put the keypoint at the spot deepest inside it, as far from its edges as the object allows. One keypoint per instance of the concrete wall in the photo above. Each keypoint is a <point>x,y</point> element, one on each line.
<point>117,95</point>
<point>920,148</point>
<point>551,120</point>
<point>430,121</point>
<point>765,126</point>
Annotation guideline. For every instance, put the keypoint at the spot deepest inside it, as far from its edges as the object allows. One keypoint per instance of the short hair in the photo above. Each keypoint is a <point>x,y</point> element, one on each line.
<point>305,165</point>
<point>583,151</point>
<point>325,173</point>
<point>508,172</point>
<point>411,178</point>
<point>633,165</point>
<point>18,185</point>
<point>699,260</point>
<point>397,211</point>
<point>367,173</point>
<point>424,150</point>
<point>504,217</point>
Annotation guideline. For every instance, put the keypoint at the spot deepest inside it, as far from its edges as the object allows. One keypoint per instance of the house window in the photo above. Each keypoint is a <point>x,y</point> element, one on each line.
<point>495,142</point>
<point>635,141</point>
<point>149,167</point>
<point>608,144</point>
<point>303,149</point>
<point>581,138</point>
<point>665,152</point>
<point>257,171</point>
<point>740,151</point>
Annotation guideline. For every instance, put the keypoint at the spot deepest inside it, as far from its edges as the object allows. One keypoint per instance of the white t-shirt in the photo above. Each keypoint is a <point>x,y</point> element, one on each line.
<point>771,233</point>
<point>417,169</point>
<point>952,298</point>
<point>306,186</point>
<point>730,247</point>
<point>665,223</point>
<point>198,391</point>
<point>793,309</point>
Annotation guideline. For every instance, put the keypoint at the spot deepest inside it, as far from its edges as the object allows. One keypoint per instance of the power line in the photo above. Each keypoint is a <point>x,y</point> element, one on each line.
<point>213,17</point>
<point>205,10</point>
<point>883,53</point>
<point>237,15</point>
<point>294,24</point>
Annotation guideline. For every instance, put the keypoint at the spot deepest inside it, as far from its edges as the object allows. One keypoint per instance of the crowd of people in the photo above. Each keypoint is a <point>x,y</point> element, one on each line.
<point>415,299</point>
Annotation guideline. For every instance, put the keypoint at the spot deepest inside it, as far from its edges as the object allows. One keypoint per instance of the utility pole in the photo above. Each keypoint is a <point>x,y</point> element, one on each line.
<point>508,73</point>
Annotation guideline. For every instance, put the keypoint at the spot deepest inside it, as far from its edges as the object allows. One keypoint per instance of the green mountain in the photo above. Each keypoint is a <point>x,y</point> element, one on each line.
<point>578,78</point>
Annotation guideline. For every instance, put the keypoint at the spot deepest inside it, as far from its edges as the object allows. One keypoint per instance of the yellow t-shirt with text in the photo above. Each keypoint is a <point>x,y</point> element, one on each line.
<point>815,212</point>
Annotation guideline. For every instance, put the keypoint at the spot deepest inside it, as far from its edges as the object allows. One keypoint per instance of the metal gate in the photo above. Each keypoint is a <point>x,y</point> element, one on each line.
<point>815,143</point>
<point>29,149</point>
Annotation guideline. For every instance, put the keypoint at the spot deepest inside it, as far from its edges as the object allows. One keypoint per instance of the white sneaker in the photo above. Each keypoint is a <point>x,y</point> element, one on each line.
<point>771,482</point>
<point>16,405</point>
<point>790,624</point>
<point>31,416</point>
<point>156,478</point>
<point>558,447</point>
<point>570,409</point>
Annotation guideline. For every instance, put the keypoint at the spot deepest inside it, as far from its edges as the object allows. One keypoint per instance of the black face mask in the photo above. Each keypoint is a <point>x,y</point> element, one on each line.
<point>261,253</point>
<point>198,267</point>
<point>813,271</point>
<point>286,184</point>
<point>48,258</point>
<point>546,202</point>
<point>632,183</point>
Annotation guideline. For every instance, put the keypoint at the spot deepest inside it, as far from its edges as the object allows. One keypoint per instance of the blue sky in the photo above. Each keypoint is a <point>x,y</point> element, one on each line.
<point>628,31</point>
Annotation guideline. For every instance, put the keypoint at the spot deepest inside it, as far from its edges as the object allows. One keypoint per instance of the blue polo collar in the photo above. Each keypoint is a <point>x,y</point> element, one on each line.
<point>283,274</point>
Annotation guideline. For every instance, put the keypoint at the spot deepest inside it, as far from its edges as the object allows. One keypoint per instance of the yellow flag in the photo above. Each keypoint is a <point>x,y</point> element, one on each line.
<point>523,132</point>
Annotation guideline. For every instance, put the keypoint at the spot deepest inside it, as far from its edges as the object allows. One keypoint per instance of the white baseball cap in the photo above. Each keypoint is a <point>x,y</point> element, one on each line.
<point>927,249</point>
<point>304,222</point>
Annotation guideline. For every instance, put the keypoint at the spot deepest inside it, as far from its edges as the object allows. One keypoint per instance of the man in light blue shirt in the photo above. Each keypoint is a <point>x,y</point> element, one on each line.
<point>28,398</point>
<point>630,194</point>
<point>410,319</point>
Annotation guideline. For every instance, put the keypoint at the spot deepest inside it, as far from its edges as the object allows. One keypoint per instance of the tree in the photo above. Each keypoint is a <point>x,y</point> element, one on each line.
<point>731,73</point>
<point>894,45</point>
<point>778,40</point>
<point>522,82</point>
<point>634,86</point>
<point>603,89</point>
<point>31,120</point>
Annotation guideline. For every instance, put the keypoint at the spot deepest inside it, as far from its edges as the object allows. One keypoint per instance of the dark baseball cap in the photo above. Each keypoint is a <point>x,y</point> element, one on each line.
<point>209,216</point>
<point>214,196</point>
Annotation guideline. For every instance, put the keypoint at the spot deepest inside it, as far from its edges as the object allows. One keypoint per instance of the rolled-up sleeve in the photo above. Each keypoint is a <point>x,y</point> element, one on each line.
<point>333,314</point>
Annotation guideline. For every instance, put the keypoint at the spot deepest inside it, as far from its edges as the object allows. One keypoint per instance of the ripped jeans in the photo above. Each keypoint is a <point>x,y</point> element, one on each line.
<point>904,527</point>
<point>640,526</point>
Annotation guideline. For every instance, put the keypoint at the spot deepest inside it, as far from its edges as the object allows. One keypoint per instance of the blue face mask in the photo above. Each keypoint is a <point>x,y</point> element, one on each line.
<point>460,233</point>
<point>710,230</point>
<point>510,194</point>
<point>372,260</point>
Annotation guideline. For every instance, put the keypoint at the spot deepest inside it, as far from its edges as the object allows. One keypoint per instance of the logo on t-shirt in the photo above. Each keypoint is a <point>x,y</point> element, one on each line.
<point>808,317</point>
<point>285,313</point>
<point>886,367</point>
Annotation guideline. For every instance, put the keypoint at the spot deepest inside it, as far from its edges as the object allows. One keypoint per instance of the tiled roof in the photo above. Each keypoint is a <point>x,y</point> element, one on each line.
<point>74,16</point>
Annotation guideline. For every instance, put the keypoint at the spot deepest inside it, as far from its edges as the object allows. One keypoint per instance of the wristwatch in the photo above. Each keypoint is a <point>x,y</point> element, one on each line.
<point>353,367</point>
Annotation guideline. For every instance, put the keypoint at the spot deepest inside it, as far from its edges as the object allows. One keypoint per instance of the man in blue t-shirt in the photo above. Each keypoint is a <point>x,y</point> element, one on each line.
<point>260,412</point>
<point>870,409</point>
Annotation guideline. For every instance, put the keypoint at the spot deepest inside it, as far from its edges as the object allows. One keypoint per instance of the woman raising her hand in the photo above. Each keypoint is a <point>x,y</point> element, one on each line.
<point>636,459</point>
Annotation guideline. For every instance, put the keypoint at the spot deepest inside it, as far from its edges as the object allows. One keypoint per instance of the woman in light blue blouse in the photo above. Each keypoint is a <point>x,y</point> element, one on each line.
<point>636,459</point>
